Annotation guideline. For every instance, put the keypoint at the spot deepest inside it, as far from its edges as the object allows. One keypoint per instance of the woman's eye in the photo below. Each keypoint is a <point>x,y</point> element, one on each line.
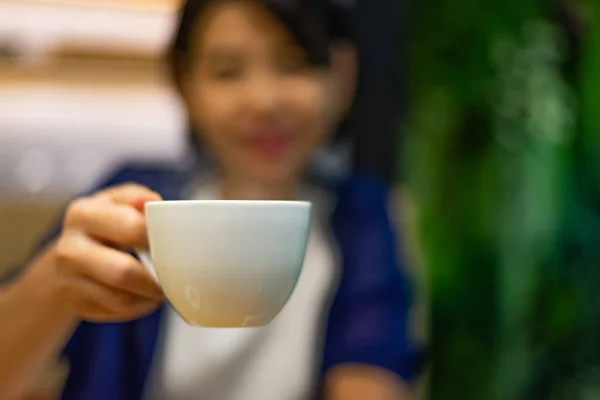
<point>227,73</point>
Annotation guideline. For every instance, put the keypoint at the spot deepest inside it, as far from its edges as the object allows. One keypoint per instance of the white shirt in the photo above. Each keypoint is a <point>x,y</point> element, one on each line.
<point>280,361</point>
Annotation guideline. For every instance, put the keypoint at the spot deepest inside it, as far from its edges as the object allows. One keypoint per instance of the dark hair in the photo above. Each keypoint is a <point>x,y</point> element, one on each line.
<point>315,24</point>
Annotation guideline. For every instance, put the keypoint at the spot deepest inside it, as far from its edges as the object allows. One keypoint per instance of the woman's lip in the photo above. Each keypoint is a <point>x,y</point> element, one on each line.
<point>269,145</point>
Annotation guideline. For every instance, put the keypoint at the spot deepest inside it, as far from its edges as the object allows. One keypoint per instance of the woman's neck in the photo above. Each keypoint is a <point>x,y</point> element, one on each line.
<point>243,189</point>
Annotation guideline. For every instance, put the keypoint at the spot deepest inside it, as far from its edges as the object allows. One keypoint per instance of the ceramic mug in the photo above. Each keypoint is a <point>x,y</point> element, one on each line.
<point>226,263</point>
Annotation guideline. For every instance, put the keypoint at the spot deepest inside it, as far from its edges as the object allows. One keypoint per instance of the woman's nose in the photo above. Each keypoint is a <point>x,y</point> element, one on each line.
<point>263,93</point>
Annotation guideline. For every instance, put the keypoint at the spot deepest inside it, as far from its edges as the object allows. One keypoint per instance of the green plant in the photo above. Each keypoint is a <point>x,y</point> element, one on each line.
<point>503,158</point>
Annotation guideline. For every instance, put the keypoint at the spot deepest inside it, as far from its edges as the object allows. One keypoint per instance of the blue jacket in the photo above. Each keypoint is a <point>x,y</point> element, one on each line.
<point>367,322</point>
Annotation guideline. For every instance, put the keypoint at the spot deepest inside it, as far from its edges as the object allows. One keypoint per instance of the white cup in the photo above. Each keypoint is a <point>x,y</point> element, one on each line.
<point>227,263</point>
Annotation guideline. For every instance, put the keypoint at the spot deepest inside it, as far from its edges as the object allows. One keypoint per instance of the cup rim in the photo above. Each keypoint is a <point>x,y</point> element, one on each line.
<point>227,203</point>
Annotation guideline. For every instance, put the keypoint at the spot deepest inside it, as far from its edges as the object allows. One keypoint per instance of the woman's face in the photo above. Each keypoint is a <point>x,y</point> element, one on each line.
<point>261,108</point>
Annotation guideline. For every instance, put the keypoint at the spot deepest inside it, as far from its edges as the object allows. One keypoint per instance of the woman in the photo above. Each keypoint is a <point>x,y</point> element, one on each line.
<point>264,84</point>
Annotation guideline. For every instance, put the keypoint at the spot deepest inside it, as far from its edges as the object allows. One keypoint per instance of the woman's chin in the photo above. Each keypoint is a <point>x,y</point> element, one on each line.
<point>267,187</point>
<point>273,174</point>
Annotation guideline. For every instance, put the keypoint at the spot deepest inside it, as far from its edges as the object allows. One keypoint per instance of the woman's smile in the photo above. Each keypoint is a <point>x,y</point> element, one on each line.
<point>268,143</point>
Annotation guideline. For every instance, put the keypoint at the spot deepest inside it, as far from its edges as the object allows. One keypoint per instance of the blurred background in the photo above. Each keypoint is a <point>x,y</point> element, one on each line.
<point>487,115</point>
<point>81,90</point>
<point>502,160</point>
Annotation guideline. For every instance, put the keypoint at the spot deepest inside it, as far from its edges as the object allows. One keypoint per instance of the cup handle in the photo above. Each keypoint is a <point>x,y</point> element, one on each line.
<point>146,260</point>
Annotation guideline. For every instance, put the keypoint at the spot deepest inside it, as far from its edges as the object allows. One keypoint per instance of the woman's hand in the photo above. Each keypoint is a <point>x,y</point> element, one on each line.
<point>98,280</point>
<point>349,382</point>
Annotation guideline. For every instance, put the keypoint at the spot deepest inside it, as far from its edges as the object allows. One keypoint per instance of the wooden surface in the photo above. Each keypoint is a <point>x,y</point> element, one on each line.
<point>149,5</point>
<point>37,27</point>
<point>79,62</point>
<point>125,74</point>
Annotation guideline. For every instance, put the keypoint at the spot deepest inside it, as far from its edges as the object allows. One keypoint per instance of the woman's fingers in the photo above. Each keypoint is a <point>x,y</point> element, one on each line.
<point>96,302</point>
<point>114,215</point>
<point>130,194</point>
<point>114,223</point>
<point>100,282</point>
<point>78,255</point>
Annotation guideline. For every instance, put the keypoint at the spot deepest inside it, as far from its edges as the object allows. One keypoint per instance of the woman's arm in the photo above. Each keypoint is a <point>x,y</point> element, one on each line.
<point>350,382</point>
<point>36,323</point>
<point>76,277</point>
